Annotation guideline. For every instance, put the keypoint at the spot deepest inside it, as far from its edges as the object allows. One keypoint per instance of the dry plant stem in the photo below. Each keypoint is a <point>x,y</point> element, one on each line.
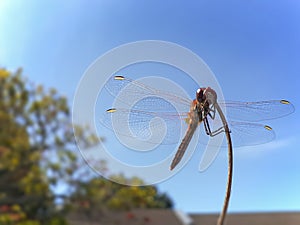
<point>230,167</point>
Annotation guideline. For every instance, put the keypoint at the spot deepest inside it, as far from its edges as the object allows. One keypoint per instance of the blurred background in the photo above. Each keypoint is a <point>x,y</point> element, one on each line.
<point>46,46</point>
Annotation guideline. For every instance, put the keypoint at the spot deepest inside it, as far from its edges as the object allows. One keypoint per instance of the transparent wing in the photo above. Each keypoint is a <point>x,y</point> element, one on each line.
<point>246,134</point>
<point>242,133</point>
<point>164,113</point>
<point>257,111</point>
<point>137,90</point>
<point>241,111</point>
<point>141,124</point>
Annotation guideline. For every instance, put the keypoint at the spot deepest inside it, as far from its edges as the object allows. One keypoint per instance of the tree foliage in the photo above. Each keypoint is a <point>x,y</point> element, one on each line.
<point>101,195</point>
<point>33,123</point>
<point>38,151</point>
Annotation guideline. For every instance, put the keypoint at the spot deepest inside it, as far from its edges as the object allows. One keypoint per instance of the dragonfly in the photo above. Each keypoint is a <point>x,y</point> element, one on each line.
<point>241,119</point>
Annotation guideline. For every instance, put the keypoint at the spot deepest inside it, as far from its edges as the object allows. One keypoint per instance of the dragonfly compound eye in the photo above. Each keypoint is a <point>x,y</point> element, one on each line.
<point>200,95</point>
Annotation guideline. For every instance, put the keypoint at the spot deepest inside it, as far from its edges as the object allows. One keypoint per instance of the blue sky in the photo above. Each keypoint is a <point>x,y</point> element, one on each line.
<point>252,48</point>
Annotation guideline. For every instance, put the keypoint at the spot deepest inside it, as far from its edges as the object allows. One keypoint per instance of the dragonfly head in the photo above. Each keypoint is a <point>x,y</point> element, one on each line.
<point>204,95</point>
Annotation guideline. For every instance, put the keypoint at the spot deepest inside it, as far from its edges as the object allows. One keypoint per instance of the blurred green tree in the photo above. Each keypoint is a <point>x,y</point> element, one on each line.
<point>101,195</point>
<point>38,151</point>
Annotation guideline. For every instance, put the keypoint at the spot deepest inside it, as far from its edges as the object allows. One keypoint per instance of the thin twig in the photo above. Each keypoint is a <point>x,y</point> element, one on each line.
<point>230,167</point>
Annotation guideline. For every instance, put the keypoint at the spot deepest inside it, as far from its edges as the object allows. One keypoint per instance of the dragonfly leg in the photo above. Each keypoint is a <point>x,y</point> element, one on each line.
<point>218,131</point>
<point>212,112</point>
<point>208,130</point>
<point>206,126</point>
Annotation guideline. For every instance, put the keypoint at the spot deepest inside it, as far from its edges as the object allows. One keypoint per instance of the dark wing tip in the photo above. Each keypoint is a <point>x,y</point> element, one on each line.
<point>286,102</point>
<point>112,110</point>
<point>119,77</point>
<point>268,127</point>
